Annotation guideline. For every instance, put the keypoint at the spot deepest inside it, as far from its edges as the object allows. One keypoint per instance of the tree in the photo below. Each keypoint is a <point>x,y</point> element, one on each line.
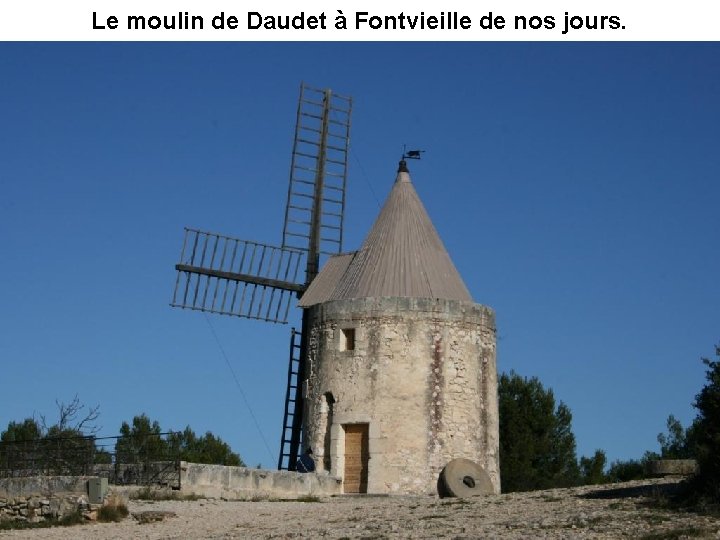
<point>632,469</point>
<point>678,443</point>
<point>205,449</point>
<point>537,446</point>
<point>18,444</point>
<point>624,471</point>
<point>707,430</point>
<point>65,447</point>
<point>70,442</point>
<point>142,442</point>
<point>593,469</point>
<point>73,421</point>
<point>102,456</point>
<point>27,430</point>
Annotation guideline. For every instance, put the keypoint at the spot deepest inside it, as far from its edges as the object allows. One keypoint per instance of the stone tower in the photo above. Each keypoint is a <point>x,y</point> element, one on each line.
<point>401,375</point>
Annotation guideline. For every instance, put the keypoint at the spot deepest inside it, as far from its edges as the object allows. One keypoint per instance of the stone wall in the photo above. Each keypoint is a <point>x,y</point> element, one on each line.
<point>35,509</point>
<point>40,498</point>
<point>672,467</point>
<point>239,483</point>
<point>156,473</point>
<point>421,373</point>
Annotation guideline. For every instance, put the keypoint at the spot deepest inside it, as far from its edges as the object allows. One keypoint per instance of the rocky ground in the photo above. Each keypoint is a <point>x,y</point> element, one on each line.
<point>628,510</point>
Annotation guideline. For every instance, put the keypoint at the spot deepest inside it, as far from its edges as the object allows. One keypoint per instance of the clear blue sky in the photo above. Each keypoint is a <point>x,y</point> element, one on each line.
<point>576,187</point>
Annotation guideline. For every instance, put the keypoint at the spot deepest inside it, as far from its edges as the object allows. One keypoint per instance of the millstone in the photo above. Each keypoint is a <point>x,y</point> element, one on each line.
<point>463,478</point>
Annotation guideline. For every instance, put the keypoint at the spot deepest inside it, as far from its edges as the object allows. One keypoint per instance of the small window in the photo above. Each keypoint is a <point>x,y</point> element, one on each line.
<point>347,339</point>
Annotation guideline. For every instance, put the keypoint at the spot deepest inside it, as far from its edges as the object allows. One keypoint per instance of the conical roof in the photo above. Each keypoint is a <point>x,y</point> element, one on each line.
<point>402,256</point>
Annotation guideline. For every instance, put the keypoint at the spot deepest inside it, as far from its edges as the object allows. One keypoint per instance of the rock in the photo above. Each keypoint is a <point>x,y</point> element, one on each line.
<point>150,516</point>
<point>55,507</point>
<point>83,502</point>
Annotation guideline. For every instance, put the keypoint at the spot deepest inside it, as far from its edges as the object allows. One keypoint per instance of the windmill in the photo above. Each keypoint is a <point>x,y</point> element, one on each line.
<point>230,276</point>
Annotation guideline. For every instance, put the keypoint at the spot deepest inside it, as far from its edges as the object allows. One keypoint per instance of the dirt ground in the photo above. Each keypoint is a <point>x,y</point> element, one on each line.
<point>628,510</point>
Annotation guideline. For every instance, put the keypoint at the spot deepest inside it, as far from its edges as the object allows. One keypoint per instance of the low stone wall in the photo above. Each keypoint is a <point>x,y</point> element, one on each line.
<point>241,483</point>
<point>38,508</point>
<point>40,498</point>
<point>26,486</point>
<point>154,473</point>
<point>672,467</point>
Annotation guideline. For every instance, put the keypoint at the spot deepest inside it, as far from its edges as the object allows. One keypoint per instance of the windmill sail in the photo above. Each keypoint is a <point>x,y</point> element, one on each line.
<point>318,173</point>
<point>220,274</point>
<point>225,275</point>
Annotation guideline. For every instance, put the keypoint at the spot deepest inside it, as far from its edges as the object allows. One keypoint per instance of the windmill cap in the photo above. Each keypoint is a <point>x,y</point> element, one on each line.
<point>402,256</point>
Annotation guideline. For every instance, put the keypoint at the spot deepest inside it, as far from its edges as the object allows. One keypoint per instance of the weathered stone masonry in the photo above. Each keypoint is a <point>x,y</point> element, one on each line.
<point>42,498</point>
<point>422,374</point>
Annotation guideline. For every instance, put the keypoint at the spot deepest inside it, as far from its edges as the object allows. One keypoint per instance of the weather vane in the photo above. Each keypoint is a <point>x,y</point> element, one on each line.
<point>411,154</point>
<point>408,154</point>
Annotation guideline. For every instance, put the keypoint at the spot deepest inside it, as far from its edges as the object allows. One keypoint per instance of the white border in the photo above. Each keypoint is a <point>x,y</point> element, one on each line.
<point>45,20</point>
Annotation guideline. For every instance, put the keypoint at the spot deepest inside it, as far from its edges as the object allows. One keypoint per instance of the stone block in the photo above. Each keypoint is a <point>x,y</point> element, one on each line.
<point>672,467</point>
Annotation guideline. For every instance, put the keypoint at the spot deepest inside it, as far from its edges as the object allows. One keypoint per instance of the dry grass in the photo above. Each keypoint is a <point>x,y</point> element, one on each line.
<point>108,513</point>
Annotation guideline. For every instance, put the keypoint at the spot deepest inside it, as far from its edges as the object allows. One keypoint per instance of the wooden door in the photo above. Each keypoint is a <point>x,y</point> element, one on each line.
<point>356,458</point>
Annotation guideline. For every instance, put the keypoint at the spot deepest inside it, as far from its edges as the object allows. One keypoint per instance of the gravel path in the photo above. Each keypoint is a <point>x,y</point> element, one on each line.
<point>613,511</point>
